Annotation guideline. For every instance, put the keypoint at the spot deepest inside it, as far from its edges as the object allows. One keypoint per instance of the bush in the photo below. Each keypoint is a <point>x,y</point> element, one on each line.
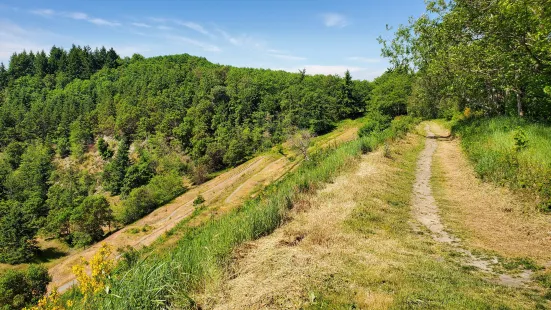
<point>19,289</point>
<point>376,122</point>
<point>144,199</point>
<point>199,200</point>
<point>103,148</point>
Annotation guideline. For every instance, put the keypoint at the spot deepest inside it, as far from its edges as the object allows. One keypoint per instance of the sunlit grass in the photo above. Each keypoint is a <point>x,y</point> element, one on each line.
<point>493,147</point>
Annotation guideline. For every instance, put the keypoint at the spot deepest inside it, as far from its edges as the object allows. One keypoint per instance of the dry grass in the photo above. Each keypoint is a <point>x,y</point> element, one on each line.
<point>275,272</point>
<point>488,217</point>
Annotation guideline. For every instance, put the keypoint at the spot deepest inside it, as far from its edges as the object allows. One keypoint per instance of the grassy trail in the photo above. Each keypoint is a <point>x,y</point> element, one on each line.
<point>358,243</point>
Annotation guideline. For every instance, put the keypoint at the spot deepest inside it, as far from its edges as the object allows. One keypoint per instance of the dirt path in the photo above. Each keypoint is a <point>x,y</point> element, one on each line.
<point>221,193</point>
<point>426,211</point>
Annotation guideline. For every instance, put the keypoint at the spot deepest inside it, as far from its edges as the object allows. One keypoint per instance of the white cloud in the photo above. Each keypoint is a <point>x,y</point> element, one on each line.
<point>286,56</point>
<point>163,27</point>
<point>102,22</point>
<point>203,45</point>
<point>335,20</point>
<point>141,25</point>
<point>366,59</point>
<point>43,12</point>
<point>243,40</point>
<point>274,51</point>
<point>76,16</point>
<point>194,26</point>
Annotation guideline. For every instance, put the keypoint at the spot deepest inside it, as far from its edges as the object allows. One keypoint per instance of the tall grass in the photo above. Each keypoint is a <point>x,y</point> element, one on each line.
<point>510,151</point>
<point>200,258</point>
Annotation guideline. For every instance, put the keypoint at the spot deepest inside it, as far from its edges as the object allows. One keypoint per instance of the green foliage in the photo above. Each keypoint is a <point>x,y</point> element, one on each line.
<point>89,218</point>
<point>376,122</point>
<point>199,200</point>
<point>79,138</point>
<point>17,243</point>
<point>104,150</point>
<point>13,153</point>
<point>68,190</point>
<point>144,199</point>
<point>19,289</point>
<point>489,56</point>
<point>172,115</point>
<point>115,171</point>
<point>510,151</point>
<point>521,141</point>
<point>136,176</point>
<point>390,93</point>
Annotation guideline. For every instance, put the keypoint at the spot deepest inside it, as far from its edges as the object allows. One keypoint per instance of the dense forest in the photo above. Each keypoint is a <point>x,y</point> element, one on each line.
<point>79,127</point>
<point>493,57</point>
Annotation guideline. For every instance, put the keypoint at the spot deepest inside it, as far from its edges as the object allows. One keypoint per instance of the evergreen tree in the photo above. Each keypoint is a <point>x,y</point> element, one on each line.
<point>115,171</point>
<point>17,243</point>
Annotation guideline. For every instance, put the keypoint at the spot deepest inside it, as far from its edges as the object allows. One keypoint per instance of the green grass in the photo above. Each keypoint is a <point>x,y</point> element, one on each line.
<point>200,257</point>
<point>510,151</point>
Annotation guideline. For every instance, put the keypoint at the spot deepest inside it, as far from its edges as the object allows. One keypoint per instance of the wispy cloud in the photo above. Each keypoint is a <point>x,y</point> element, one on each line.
<point>163,27</point>
<point>141,25</point>
<point>76,16</point>
<point>203,45</point>
<point>43,12</point>
<point>242,40</point>
<point>14,38</point>
<point>194,26</point>
<point>366,59</point>
<point>335,20</point>
<point>274,51</point>
<point>286,56</point>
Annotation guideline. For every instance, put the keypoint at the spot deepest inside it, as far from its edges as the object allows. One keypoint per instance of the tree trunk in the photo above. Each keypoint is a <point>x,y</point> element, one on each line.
<point>519,104</point>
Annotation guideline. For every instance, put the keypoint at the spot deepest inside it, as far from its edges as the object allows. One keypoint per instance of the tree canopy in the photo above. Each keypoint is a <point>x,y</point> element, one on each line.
<point>490,56</point>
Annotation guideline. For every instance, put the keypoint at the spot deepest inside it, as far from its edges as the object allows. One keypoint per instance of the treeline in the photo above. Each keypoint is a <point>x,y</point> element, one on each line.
<point>79,62</point>
<point>71,138</point>
<point>492,57</point>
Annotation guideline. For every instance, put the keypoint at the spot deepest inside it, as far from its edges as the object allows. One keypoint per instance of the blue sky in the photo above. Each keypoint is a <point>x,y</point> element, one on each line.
<point>325,37</point>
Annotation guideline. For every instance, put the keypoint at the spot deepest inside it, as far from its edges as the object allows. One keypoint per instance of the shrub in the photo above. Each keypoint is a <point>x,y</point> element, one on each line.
<point>376,122</point>
<point>19,289</point>
<point>144,199</point>
<point>104,151</point>
<point>521,141</point>
<point>199,200</point>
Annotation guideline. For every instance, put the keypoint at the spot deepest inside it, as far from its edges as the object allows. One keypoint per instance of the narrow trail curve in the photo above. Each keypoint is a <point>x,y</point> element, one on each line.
<point>426,211</point>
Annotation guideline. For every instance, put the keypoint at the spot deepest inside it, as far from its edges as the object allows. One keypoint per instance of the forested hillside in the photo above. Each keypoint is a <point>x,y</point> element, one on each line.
<point>79,127</point>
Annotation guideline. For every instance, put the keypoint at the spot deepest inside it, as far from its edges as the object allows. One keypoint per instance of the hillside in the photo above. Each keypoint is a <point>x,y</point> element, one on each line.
<point>119,137</point>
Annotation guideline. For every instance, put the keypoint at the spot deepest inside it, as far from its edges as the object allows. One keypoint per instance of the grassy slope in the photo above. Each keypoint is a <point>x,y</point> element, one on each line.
<point>491,145</point>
